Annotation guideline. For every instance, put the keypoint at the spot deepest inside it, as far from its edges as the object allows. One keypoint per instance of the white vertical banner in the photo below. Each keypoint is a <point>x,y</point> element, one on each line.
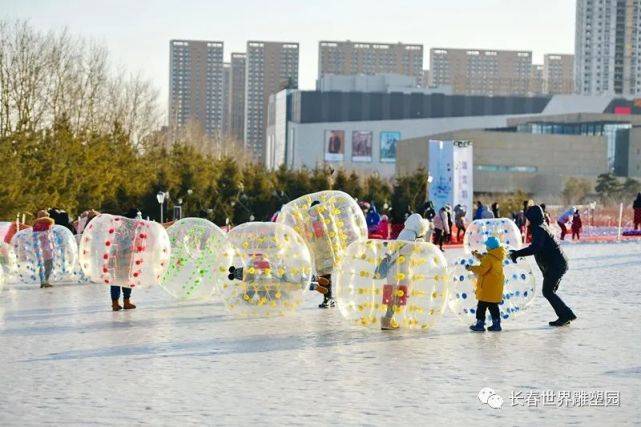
<point>463,176</point>
<point>451,168</point>
<point>441,157</point>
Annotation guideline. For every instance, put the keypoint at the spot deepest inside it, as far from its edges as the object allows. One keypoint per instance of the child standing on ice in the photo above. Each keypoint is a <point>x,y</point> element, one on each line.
<point>577,224</point>
<point>395,291</point>
<point>489,284</point>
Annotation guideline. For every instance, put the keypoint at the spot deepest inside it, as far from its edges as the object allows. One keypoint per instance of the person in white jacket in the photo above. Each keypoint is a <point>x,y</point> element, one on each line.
<point>416,228</point>
<point>441,227</point>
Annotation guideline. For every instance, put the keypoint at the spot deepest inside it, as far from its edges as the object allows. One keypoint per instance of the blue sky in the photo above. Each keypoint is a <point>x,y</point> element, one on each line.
<point>137,32</point>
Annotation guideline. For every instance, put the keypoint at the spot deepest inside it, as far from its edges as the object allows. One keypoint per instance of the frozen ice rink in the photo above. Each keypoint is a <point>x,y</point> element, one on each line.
<point>66,358</point>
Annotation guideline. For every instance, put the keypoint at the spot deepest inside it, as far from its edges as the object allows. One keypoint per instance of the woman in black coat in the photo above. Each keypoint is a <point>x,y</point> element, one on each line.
<point>550,259</point>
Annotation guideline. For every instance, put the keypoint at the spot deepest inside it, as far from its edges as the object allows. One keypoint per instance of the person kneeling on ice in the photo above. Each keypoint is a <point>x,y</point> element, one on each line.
<point>550,259</point>
<point>489,284</point>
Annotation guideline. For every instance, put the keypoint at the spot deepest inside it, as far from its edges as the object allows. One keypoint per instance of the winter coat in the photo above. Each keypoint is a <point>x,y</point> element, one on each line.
<point>383,227</point>
<point>441,221</point>
<point>459,216</point>
<point>428,211</point>
<point>577,224</point>
<point>43,224</point>
<point>566,217</point>
<point>637,209</point>
<point>546,250</point>
<point>490,276</point>
<point>372,219</point>
<point>415,228</point>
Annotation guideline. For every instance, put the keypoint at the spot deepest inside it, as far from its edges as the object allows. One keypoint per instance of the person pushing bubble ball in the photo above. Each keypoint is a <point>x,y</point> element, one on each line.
<point>551,260</point>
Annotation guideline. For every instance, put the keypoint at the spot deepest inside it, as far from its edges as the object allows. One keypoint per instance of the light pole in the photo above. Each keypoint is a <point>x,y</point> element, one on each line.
<point>161,199</point>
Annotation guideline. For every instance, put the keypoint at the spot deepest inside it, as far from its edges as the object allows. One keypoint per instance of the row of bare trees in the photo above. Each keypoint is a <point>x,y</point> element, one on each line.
<point>48,75</point>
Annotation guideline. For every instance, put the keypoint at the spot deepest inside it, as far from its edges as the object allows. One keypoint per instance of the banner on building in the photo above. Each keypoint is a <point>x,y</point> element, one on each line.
<point>334,145</point>
<point>389,140</point>
<point>450,166</point>
<point>361,146</point>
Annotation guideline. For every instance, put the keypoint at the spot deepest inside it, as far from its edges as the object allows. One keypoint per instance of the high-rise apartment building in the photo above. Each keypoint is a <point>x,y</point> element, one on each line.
<point>237,116</point>
<point>270,67</point>
<point>226,98</point>
<point>558,74</point>
<point>196,84</point>
<point>536,79</point>
<point>482,72</point>
<point>607,53</point>
<point>349,58</point>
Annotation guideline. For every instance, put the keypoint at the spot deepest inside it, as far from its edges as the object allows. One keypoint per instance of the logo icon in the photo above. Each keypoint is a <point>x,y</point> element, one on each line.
<point>489,397</point>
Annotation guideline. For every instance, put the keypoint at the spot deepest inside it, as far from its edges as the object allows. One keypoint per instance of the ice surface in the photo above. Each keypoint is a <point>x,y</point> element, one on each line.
<point>66,358</point>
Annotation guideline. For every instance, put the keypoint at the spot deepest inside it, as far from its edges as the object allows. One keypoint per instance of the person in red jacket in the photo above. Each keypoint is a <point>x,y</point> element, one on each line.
<point>576,225</point>
<point>41,226</point>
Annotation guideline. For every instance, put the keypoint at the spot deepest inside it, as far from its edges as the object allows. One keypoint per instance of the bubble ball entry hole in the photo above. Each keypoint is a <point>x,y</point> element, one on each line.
<point>269,270</point>
<point>197,260</point>
<point>45,256</point>
<point>119,251</point>
<point>520,285</point>
<point>391,284</point>
<point>328,221</point>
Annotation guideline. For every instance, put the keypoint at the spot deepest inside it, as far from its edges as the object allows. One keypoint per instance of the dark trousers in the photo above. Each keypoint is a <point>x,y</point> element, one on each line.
<point>492,306</point>
<point>575,234</point>
<point>551,280</point>
<point>439,238</point>
<point>45,271</point>
<point>459,230</point>
<point>564,230</point>
<point>115,292</point>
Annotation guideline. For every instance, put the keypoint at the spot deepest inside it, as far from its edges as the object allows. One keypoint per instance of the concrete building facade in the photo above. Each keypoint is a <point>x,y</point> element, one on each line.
<point>350,58</point>
<point>237,95</point>
<point>196,84</point>
<point>607,47</point>
<point>482,72</point>
<point>558,74</point>
<point>505,162</point>
<point>270,67</point>
<point>226,98</point>
<point>360,131</point>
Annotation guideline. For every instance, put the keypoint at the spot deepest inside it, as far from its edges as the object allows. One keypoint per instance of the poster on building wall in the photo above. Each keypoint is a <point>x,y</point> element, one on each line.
<point>334,145</point>
<point>361,146</point>
<point>389,140</point>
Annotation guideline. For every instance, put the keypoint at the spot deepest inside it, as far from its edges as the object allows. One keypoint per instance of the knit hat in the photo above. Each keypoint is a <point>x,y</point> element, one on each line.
<point>492,243</point>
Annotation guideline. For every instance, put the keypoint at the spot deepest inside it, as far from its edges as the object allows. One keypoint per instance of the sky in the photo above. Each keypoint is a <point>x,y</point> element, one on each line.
<point>137,32</point>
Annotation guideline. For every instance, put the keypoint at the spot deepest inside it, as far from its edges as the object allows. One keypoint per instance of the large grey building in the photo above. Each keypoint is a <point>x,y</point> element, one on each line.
<point>196,84</point>
<point>482,72</point>
<point>350,58</point>
<point>359,130</point>
<point>226,98</point>
<point>270,67</point>
<point>607,54</point>
<point>237,95</point>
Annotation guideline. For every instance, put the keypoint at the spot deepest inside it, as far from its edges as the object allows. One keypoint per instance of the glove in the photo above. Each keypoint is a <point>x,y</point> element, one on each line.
<point>513,256</point>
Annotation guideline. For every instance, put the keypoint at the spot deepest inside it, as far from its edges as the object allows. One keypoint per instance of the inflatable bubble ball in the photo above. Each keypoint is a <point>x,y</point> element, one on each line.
<point>200,256</point>
<point>8,262</point>
<point>328,221</point>
<point>479,230</point>
<point>119,251</point>
<point>270,269</point>
<point>44,256</point>
<point>391,284</point>
<point>518,289</point>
